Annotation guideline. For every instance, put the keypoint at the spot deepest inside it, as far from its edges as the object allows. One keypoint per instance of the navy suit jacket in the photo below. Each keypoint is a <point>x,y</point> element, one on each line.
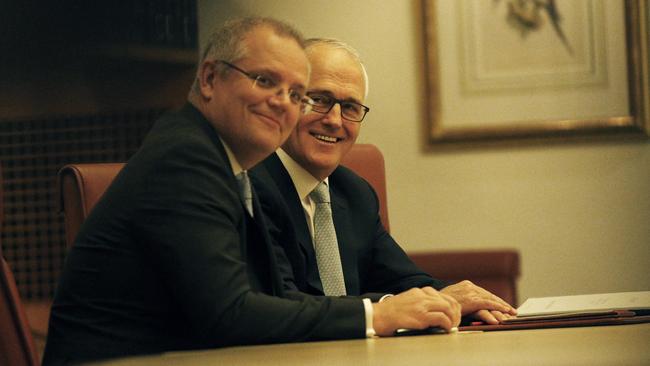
<point>169,260</point>
<point>373,263</point>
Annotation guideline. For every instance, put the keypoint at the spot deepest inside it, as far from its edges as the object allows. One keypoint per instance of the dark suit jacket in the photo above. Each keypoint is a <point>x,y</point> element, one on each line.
<point>373,263</point>
<point>168,260</point>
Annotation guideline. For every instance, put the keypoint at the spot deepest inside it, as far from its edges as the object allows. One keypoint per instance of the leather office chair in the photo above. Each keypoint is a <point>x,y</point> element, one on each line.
<point>495,270</point>
<point>16,343</point>
<point>81,186</point>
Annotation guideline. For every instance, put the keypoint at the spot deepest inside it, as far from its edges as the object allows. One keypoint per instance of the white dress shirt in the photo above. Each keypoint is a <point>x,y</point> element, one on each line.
<point>234,164</point>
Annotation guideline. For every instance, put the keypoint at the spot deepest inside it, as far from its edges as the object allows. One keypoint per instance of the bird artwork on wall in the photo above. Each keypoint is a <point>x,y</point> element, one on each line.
<point>530,15</point>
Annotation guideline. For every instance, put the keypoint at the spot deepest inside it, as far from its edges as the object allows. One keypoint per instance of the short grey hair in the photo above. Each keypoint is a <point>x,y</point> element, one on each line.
<point>337,44</point>
<point>226,42</point>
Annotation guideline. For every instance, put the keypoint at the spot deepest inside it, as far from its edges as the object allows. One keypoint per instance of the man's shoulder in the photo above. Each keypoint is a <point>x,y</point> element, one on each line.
<point>348,186</point>
<point>177,144</point>
<point>184,130</point>
<point>179,126</point>
<point>344,176</point>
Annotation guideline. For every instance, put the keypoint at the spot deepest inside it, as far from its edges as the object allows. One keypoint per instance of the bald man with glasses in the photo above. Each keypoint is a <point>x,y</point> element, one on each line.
<point>349,252</point>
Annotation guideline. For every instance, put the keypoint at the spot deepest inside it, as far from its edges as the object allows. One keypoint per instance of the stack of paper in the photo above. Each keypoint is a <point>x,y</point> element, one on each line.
<point>580,310</point>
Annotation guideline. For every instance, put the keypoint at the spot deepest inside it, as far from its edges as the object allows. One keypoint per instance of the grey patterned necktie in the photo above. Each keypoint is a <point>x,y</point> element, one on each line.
<point>245,192</point>
<point>326,245</point>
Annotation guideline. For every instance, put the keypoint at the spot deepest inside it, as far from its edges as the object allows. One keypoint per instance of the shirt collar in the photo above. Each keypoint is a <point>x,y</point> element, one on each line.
<point>234,164</point>
<point>302,179</point>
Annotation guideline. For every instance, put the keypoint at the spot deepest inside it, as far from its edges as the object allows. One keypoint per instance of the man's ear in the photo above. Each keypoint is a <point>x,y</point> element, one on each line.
<point>207,77</point>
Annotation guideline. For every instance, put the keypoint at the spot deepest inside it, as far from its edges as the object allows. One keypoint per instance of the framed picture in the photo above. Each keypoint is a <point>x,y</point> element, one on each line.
<point>521,69</point>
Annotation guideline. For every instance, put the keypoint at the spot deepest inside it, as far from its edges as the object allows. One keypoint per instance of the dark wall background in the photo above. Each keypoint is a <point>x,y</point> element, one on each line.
<point>80,81</point>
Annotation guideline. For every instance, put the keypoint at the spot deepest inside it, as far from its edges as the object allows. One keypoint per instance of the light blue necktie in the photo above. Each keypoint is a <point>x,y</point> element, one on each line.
<point>245,192</point>
<point>326,245</point>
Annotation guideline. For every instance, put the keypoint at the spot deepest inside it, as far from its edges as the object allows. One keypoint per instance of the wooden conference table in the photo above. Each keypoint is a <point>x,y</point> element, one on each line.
<point>603,345</point>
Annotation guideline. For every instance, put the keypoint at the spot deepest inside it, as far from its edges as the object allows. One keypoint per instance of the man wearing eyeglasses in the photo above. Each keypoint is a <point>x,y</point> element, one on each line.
<point>368,262</point>
<point>176,254</point>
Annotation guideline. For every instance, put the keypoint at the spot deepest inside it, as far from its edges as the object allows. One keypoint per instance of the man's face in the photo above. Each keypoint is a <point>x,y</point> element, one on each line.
<point>319,141</point>
<point>255,121</point>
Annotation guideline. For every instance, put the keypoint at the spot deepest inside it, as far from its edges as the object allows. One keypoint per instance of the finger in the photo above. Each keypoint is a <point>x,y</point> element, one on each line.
<point>507,316</point>
<point>452,307</point>
<point>456,309</point>
<point>511,309</point>
<point>474,298</point>
<point>490,296</point>
<point>439,319</point>
<point>486,317</point>
<point>499,316</point>
<point>443,304</point>
<point>485,294</point>
<point>490,304</point>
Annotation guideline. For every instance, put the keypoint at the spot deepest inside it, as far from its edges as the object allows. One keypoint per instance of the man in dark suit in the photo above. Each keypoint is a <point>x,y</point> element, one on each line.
<point>372,263</point>
<point>173,257</point>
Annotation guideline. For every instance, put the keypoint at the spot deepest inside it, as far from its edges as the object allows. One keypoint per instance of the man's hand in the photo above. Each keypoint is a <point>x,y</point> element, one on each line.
<point>415,309</point>
<point>479,303</point>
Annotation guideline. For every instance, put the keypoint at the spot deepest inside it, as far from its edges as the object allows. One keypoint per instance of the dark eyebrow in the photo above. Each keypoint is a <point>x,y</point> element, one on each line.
<point>331,95</point>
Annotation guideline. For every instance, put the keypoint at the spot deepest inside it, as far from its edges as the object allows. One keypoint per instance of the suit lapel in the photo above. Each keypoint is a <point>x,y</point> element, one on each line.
<point>288,191</point>
<point>304,261</point>
<point>260,225</point>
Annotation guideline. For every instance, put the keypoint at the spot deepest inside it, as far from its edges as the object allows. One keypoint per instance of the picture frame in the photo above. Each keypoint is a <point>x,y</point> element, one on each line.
<point>483,84</point>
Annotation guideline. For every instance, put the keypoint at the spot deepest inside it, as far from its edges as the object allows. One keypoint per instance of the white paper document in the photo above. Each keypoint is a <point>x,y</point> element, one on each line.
<point>585,303</point>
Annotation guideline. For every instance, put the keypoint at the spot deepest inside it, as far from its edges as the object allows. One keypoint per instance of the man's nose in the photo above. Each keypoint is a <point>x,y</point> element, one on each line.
<point>281,97</point>
<point>333,117</point>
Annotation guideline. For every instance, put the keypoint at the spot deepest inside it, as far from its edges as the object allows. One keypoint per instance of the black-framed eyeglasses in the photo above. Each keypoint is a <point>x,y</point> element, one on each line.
<point>268,82</point>
<point>350,111</point>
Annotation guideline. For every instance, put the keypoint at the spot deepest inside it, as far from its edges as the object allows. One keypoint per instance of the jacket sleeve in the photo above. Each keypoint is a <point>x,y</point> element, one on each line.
<point>192,213</point>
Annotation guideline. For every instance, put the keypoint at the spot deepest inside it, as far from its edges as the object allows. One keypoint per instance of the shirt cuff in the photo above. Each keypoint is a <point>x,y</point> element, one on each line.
<point>367,307</point>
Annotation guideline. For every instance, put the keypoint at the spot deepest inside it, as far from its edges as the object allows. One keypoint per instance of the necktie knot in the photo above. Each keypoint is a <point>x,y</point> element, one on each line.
<point>320,194</point>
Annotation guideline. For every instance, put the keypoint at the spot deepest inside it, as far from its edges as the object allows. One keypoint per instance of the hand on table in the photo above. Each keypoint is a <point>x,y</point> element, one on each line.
<point>479,303</point>
<point>416,309</point>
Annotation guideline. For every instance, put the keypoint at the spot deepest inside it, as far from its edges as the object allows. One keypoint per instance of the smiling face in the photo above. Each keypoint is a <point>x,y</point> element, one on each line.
<point>252,120</point>
<point>319,141</point>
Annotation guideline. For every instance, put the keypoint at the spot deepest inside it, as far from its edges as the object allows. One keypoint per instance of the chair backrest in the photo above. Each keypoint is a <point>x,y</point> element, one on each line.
<point>367,161</point>
<point>496,270</point>
<point>16,342</point>
<point>80,187</point>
